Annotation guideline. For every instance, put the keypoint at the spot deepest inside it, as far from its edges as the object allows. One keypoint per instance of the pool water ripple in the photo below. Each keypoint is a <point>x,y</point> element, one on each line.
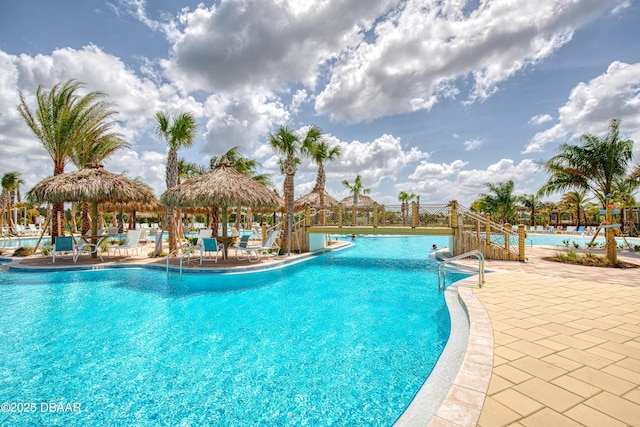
<point>344,339</point>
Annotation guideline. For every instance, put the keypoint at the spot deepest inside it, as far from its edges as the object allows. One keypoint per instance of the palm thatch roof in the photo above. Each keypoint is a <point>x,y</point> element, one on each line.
<point>223,185</point>
<point>91,184</point>
<point>313,199</point>
<point>364,202</point>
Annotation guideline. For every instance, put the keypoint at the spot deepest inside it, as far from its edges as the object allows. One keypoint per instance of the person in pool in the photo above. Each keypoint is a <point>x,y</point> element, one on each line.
<point>434,247</point>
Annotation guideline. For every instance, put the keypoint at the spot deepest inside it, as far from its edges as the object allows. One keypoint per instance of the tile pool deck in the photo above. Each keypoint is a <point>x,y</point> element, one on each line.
<point>566,346</point>
<point>550,344</point>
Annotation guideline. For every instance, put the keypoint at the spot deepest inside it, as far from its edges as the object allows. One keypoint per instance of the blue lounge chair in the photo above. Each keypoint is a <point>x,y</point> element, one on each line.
<point>210,245</point>
<point>63,245</point>
<point>253,253</point>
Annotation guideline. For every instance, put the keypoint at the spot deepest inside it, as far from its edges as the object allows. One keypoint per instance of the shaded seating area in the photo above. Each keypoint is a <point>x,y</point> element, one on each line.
<point>253,253</point>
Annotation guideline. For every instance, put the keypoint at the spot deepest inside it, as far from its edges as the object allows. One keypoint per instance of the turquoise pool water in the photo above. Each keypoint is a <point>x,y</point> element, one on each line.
<point>344,339</point>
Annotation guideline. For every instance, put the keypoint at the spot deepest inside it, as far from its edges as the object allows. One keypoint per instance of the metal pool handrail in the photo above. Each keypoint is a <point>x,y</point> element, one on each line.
<point>442,267</point>
<point>189,248</point>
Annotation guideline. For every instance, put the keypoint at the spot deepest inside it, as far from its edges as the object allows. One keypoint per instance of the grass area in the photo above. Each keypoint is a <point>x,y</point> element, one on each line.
<point>588,259</point>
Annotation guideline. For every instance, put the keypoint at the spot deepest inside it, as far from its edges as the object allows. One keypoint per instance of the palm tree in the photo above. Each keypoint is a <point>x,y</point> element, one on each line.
<point>405,198</point>
<point>532,203</point>
<point>287,143</point>
<point>501,202</point>
<point>62,121</point>
<point>11,182</point>
<point>356,188</point>
<point>319,153</point>
<point>596,165</point>
<point>575,200</point>
<point>178,132</point>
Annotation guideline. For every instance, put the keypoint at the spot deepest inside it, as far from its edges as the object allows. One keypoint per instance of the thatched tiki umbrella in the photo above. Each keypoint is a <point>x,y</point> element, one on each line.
<point>314,200</point>
<point>364,204</point>
<point>222,186</point>
<point>93,184</point>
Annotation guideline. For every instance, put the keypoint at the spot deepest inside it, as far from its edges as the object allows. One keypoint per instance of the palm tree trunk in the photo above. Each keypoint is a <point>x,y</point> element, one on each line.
<point>57,207</point>
<point>288,193</point>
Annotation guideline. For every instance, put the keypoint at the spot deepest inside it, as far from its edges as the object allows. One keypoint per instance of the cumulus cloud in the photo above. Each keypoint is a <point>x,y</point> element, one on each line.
<point>592,105</point>
<point>417,54</point>
<point>472,144</point>
<point>540,119</point>
<point>439,183</point>
<point>265,43</point>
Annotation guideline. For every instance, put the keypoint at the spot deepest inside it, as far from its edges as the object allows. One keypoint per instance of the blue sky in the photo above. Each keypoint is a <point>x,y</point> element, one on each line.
<point>432,98</point>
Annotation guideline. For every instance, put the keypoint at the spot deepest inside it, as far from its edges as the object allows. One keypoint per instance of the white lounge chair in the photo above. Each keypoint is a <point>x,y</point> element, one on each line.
<point>131,242</point>
<point>253,253</point>
<point>89,248</point>
<point>63,245</point>
<point>203,233</point>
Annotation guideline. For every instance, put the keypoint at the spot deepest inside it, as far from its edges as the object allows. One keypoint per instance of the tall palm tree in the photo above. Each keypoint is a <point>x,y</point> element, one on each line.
<point>530,202</point>
<point>11,182</point>
<point>287,143</point>
<point>63,120</point>
<point>500,202</point>
<point>356,189</point>
<point>405,198</point>
<point>320,153</point>
<point>179,132</point>
<point>595,165</point>
<point>575,200</point>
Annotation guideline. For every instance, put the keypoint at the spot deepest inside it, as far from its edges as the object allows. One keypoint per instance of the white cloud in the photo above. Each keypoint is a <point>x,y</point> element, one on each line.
<point>592,105</point>
<point>265,43</point>
<point>439,183</point>
<point>425,47</point>
<point>472,144</point>
<point>540,119</point>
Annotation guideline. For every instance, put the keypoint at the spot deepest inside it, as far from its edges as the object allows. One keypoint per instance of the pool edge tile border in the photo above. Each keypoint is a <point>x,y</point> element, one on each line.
<point>447,397</point>
<point>465,400</point>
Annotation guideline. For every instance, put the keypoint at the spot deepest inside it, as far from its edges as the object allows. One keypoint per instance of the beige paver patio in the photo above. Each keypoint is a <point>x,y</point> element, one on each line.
<point>566,343</point>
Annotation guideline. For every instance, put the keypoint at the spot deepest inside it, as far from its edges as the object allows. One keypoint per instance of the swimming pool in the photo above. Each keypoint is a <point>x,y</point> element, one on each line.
<point>582,240</point>
<point>347,338</point>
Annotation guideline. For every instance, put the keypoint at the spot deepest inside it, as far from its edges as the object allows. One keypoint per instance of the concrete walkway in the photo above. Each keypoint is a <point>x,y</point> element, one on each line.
<point>566,345</point>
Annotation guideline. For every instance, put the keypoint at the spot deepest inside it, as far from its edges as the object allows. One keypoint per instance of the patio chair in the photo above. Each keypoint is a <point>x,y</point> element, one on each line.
<point>89,248</point>
<point>131,242</point>
<point>203,233</point>
<point>63,245</point>
<point>210,245</point>
<point>270,243</point>
<point>242,245</point>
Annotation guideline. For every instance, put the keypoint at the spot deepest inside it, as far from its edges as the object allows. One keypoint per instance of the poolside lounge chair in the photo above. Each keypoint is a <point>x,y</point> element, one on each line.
<point>131,242</point>
<point>89,248</point>
<point>203,233</point>
<point>63,245</point>
<point>253,253</point>
<point>580,229</point>
<point>242,245</point>
<point>210,245</point>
